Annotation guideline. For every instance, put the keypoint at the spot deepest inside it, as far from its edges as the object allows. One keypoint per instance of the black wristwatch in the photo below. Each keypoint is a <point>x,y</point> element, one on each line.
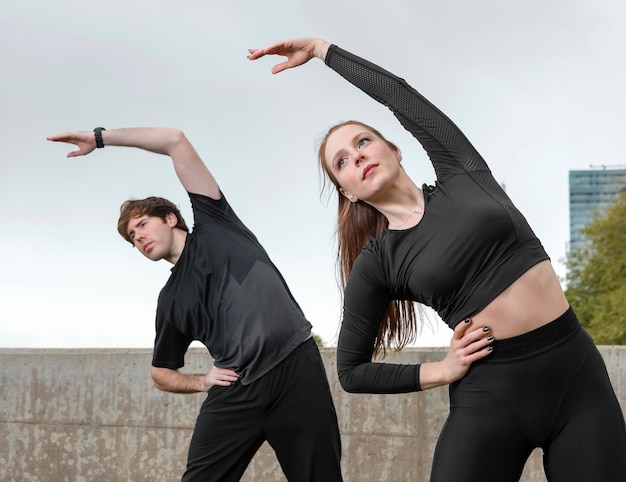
<point>98,133</point>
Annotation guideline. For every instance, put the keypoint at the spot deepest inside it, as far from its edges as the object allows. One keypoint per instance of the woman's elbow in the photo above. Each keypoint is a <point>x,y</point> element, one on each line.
<point>347,382</point>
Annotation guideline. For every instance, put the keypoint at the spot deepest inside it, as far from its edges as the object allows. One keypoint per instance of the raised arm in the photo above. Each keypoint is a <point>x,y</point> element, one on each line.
<point>447,147</point>
<point>190,169</point>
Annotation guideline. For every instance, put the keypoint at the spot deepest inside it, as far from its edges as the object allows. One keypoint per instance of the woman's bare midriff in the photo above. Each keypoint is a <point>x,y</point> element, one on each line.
<point>533,300</point>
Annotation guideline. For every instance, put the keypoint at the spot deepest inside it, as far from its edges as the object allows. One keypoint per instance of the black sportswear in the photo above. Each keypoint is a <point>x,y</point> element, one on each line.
<point>470,245</point>
<point>548,388</point>
<point>225,292</point>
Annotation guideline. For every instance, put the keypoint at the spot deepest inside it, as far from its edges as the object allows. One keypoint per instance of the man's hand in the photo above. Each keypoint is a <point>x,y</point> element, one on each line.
<point>223,377</point>
<point>85,141</point>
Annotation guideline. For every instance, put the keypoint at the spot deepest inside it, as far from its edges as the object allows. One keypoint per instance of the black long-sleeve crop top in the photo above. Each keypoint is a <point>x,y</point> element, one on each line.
<point>469,246</point>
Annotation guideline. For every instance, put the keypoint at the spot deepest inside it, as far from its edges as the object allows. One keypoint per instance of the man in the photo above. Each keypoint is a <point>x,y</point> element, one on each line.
<point>268,381</point>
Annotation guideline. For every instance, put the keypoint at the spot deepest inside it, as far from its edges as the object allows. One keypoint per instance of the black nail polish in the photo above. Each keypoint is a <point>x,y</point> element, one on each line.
<point>489,348</point>
<point>485,329</point>
<point>490,337</point>
<point>467,320</point>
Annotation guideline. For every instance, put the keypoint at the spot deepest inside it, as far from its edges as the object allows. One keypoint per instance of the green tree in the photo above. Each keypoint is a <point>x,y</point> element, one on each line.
<point>596,276</point>
<point>318,340</point>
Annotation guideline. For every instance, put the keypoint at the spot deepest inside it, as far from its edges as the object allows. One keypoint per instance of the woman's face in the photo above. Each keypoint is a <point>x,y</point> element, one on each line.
<point>362,163</point>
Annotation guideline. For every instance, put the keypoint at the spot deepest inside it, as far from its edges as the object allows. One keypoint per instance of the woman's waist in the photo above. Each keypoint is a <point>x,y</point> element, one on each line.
<point>533,300</point>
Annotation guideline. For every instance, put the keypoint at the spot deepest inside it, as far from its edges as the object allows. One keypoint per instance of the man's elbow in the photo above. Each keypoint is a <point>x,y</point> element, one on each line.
<point>178,137</point>
<point>158,386</point>
<point>158,378</point>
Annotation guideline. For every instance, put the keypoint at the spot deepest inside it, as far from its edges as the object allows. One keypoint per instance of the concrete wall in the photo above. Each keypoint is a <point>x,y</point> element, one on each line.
<point>93,415</point>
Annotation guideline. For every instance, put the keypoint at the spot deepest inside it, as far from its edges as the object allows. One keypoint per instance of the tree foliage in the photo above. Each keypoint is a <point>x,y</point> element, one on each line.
<point>318,340</point>
<point>597,276</point>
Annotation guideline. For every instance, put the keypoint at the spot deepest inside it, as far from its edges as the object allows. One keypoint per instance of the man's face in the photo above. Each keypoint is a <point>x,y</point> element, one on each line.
<point>153,236</point>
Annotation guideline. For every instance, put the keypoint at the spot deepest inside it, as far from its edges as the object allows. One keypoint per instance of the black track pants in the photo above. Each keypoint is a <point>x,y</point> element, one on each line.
<point>548,388</point>
<point>290,407</point>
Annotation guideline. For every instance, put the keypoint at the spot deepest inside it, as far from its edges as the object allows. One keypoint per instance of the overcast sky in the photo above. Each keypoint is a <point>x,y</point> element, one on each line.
<point>537,86</point>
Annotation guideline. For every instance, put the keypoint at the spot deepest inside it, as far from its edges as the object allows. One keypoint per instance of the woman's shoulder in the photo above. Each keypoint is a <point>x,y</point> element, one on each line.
<point>373,255</point>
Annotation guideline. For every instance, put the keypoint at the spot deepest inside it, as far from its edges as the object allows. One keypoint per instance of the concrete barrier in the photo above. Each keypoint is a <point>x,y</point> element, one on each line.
<point>93,415</point>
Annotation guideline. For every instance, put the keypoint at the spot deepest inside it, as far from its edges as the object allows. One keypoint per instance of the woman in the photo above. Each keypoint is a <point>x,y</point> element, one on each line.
<point>463,248</point>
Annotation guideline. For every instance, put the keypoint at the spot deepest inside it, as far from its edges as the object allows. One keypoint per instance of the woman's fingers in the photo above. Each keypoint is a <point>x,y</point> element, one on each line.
<point>297,51</point>
<point>469,340</point>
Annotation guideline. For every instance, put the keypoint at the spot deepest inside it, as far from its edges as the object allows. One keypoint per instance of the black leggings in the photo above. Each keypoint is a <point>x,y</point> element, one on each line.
<point>548,388</point>
<point>290,407</point>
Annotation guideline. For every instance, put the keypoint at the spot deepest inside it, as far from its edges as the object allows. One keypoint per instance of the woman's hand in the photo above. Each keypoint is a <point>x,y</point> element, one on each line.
<point>223,377</point>
<point>468,345</point>
<point>297,51</point>
<point>85,141</point>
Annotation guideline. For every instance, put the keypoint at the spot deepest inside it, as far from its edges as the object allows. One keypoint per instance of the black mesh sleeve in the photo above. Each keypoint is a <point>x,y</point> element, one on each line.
<point>448,148</point>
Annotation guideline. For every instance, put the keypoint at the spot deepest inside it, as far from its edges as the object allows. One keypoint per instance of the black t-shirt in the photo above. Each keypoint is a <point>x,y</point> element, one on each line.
<point>469,246</point>
<point>225,292</point>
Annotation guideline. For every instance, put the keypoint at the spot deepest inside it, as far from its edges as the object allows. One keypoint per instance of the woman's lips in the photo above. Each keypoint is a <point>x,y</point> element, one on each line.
<point>368,169</point>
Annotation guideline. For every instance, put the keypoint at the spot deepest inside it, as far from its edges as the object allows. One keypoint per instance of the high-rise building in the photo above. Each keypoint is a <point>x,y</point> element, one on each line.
<point>590,190</point>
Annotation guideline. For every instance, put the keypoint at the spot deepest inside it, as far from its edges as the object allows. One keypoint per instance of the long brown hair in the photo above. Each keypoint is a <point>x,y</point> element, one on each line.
<point>356,223</point>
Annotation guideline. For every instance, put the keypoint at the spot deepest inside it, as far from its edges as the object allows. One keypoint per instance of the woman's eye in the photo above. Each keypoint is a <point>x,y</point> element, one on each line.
<point>362,142</point>
<point>341,162</point>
